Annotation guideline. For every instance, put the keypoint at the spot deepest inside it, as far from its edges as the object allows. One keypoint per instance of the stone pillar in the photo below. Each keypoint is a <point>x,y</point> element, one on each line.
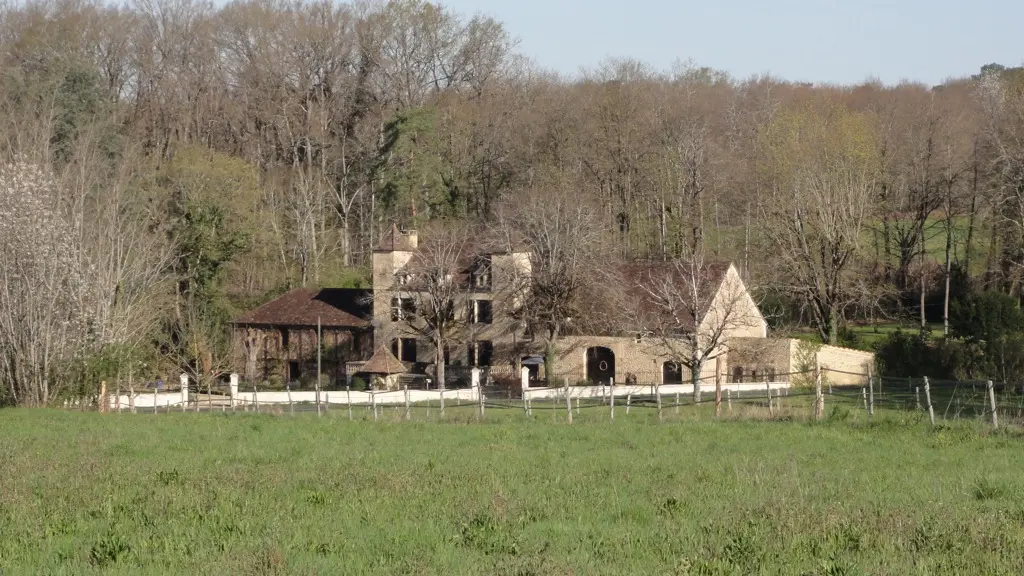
<point>233,383</point>
<point>524,377</point>
<point>184,388</point>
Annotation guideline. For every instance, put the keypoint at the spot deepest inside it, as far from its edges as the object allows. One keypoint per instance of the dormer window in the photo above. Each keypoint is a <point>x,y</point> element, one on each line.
<point>482,279</point>
<point>481,275</point>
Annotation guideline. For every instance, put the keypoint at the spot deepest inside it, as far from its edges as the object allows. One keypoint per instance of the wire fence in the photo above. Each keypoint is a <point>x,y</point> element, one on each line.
<point>807,395</point>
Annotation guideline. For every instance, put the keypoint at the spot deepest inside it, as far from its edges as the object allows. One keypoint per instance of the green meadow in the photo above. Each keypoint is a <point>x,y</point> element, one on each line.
<point>246,493</point>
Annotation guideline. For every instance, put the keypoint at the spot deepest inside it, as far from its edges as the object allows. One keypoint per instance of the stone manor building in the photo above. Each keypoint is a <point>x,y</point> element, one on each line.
<point>277,341</point>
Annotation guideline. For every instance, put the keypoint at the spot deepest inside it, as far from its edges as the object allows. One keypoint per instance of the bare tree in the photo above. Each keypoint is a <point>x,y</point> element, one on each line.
<point>571,279</point>
<point>1001,98</point>
<point>824,175</point>
<point>431,293</point>
<point>691,308</point>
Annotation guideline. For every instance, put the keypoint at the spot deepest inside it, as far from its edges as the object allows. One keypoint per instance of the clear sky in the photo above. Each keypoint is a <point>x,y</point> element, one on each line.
<point>838,41</point>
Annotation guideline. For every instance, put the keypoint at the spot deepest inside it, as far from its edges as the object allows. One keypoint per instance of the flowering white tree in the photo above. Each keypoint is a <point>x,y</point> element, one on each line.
<point>44,321</point>
<point>78,272</point>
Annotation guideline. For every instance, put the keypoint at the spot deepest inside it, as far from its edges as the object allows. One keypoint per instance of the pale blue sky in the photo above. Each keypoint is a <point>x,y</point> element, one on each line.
<point>839,41</point>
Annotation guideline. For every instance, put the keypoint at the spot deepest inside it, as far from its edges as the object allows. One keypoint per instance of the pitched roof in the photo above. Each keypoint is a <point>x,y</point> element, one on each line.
<point>395,239</point>
<point>383,362</point>
<point>637,275</point>
<point>334,307</point>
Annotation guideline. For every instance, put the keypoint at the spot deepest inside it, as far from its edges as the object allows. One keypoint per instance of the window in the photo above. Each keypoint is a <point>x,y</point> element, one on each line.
<point>294,372</point>
<point>480,353</point>
<point>404,279</point>
<point>671,373</point>
<point>404,349</point>
<point>402,309</point>
<point>481,311</point>
<point>737,374</point>
<point>284,337</point>
<point>482,273</point>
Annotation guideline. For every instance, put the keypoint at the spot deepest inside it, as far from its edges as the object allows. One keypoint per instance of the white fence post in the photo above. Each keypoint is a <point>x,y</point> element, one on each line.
<point>568,402</point>
<point>611,397</point>
<point>183,379</point>
<point>928,399</point>
<point>474,379</point>
<point>233,384</point>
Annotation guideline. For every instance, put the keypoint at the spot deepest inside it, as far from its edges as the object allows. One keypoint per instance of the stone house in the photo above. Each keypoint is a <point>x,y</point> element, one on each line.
<point>486,275</point>
<point>730,315</point>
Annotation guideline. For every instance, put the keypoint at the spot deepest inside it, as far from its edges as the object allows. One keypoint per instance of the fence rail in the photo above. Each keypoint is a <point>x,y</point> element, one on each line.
<point>936,400</point>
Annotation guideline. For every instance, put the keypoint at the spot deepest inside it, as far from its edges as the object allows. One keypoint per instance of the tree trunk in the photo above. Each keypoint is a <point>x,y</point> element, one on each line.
<point>346,241</point>
<point>948,271</point>
<point>924,320</point>
<point>969,241</point>
<point>549,361</point>
<point>695,369</point>
<point>439,366</point>
<point>887,247</point>
<point>833,325</point>
<point>663,231</point>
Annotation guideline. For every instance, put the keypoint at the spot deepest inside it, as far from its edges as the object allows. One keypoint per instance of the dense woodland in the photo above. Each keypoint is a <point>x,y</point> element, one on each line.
<point>167,164</point>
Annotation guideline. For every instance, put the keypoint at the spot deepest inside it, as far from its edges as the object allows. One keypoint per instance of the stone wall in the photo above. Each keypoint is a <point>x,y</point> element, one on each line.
<point>753,359</point>
<point>644,359</point>
<point>846,366</point>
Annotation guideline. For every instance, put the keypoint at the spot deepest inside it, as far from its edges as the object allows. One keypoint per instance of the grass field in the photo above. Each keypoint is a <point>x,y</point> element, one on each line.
<point>261,494</point>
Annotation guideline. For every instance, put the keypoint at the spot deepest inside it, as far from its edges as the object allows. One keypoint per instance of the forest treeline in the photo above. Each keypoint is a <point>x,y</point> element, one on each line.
<point>168,163</point>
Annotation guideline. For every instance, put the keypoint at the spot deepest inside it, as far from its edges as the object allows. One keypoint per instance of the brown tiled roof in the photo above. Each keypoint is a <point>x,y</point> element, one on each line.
<point>383,362</point>
<point>637,274</point>
<point>335,308</point>
<point>393,240</point>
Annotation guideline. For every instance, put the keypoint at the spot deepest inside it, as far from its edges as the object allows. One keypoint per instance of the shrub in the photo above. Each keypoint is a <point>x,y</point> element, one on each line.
<point>985,317</point>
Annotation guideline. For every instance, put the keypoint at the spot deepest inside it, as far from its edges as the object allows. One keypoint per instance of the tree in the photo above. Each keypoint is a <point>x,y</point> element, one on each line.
<point>433,291</point>
<point>210,197</point>
<point>571,278</point>
<point>44,286</point>
<point>691,308</point>
<point>823,169</point>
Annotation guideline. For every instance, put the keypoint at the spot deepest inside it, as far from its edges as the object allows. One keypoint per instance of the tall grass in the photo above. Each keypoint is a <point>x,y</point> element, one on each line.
<point>262,494</point>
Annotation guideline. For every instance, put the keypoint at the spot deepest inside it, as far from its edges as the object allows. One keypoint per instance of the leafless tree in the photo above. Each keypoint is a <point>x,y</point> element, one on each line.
<point>431,293</point>
<point>690,308</point>
<point>824,182</point>
<point>571,280</point>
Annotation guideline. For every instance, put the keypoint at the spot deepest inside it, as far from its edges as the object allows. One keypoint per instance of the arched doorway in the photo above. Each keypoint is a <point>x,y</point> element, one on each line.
<point>600,364</point>
<point>671,373</point>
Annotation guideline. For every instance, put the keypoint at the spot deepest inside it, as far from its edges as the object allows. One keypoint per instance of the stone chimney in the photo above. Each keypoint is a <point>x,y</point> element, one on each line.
<point>412,239</point>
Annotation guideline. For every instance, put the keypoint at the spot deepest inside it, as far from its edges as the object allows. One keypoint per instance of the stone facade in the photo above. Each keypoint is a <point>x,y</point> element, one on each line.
<point>629,357</point>
<point>751,359</point>
<point>496,338</point>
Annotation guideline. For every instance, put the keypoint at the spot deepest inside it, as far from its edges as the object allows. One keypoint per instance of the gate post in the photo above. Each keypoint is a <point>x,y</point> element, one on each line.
<point>184,389</point>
